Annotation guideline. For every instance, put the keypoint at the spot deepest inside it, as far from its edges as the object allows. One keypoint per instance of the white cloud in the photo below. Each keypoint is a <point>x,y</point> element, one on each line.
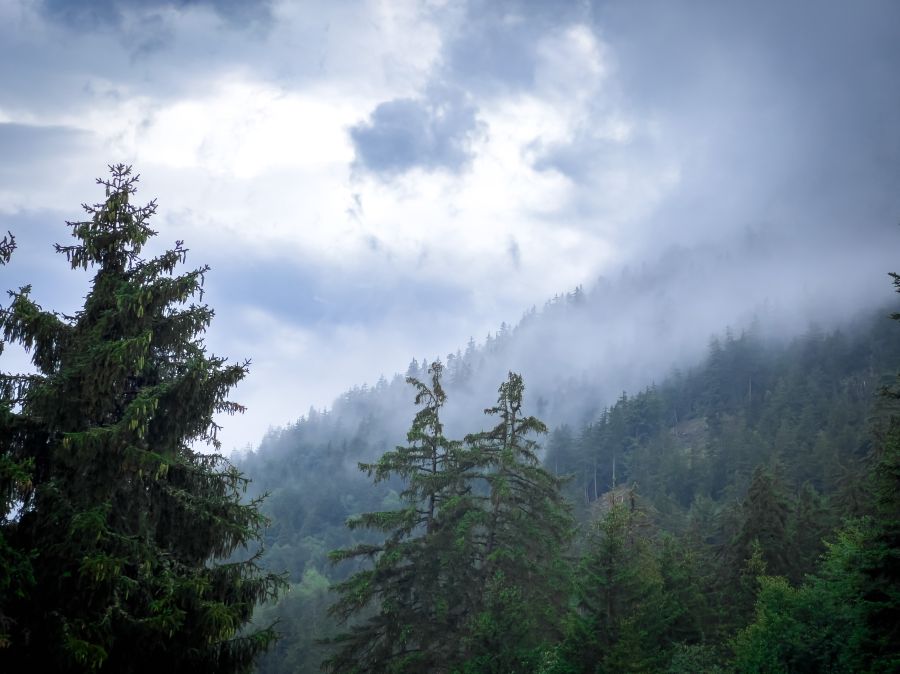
<point>246,129</point>
<point>593,146</point>
<point>572,65</point>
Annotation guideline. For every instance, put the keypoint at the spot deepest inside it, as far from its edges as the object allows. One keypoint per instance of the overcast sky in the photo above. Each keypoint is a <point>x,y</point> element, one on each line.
<point>373,181</point>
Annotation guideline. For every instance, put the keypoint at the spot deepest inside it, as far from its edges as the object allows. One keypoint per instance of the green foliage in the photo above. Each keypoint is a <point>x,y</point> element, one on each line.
<point>124,523</point>
<point>818,627</point>
<point>522,578</point>
<point>845,617</point>
<point>624,619</point>
<point>16,482</point>
<point>469,576</point>
<point>742,466</point>
<point>415,592</point>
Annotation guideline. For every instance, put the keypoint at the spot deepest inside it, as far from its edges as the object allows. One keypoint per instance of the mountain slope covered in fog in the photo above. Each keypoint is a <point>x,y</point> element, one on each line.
<point>689,441</point>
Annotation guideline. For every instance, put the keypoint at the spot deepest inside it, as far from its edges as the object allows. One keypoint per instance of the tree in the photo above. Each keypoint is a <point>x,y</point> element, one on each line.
<point>846,616</point>
<point>129,525</point>
<point>817,627</point>
<point>765,514</point>
<point>622,619</point>
<point>526,528</point>
<point>470,575</point>
<point>16,574</point>
<point>417,589</point>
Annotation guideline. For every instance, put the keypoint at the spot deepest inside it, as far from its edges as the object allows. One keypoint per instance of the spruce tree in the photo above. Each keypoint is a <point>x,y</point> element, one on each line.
<point>127,524</point>
<point>765,519</point>
<point>621,616</point>
<point>16,469</point>
<point>470,576</point>
<point>525,530</point>
<point>417,590</point>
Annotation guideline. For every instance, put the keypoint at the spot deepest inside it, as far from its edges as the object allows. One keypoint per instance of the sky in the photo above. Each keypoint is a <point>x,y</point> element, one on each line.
<point>373,181</point>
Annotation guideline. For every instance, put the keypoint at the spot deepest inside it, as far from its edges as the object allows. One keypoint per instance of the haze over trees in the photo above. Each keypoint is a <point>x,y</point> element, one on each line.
<point>724,520</point>
<point>740,514</point>
<point>470,575</point>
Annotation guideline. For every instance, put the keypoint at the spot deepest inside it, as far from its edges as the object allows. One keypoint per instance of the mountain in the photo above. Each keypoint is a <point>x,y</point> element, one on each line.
<point>725,415</point>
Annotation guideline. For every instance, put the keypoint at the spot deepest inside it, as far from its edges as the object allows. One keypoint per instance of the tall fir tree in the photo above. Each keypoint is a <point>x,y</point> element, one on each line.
<point>131,529</point>
<point>525,533</point>
<point>470,576</point>
<point>766,511</point>
<point>16,469</point>
<point>622,618</point>
<point>417,589</point>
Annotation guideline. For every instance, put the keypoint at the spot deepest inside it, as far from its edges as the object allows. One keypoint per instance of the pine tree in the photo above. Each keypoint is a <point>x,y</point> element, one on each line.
<point>526,529</point>
<point>418,588</point>
<point>622,617</point>
<point>129,524</point>
<point>470,576</point>
<point>882,563</point>
<point>16,470</point>
<point>765,519</point>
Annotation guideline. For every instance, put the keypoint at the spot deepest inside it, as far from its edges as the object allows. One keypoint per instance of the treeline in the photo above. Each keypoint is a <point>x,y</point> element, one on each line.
<point>741,516</point>
<point>737,496</point>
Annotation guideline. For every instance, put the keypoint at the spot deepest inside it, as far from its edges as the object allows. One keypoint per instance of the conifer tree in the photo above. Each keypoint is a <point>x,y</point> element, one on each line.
<point>418,587</point>
<point>765,519</point>
<point>621,615</point>
<point>16,574</point>
<point>526,529</point>
<point>470,577</point>
<point>127,524</point>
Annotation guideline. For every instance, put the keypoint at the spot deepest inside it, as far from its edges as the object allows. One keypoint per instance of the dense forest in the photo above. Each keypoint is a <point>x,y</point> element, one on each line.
<point>737,516</point>
<point>469,337</point>
<point>741,514</point>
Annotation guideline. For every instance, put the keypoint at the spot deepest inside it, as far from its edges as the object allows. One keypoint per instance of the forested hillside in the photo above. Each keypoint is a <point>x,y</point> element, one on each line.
<point>471,337</point>
<point>699,505</point>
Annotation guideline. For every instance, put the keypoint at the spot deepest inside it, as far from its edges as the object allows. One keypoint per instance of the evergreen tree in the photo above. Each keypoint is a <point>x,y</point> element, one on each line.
<point>526,528</point>
<point>818,627</point>
<point>808,525</point>
<point>470,575</point>
<point>846,616</point>
<point>16,471</point>
<point>417,589</point>
<point>125,522</point>
<point>882,562</point>
<point>622,616</point>
<point>765,519</point>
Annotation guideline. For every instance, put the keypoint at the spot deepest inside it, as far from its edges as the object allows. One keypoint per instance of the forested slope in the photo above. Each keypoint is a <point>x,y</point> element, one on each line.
<point>684,494</point>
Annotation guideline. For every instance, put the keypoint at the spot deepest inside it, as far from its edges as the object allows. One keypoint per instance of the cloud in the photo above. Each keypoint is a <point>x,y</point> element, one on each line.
<point>356,171</point>
<point>101,14</point>
<point>22,143</point>
<point>31,154</point>
<point>496,46</point>
<point>427,133</point>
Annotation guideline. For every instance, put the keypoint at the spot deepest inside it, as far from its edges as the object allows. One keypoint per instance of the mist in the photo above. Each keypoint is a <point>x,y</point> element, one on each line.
<point>675,220</point>
<point>689,167</point>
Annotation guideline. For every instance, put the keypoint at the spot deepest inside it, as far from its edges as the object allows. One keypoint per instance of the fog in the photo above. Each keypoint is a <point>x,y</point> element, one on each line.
<point>382,181</point>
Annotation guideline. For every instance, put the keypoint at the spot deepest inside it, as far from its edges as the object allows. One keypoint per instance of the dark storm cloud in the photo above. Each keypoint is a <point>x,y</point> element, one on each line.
<point>406,133</point>
<point>495,50</point>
